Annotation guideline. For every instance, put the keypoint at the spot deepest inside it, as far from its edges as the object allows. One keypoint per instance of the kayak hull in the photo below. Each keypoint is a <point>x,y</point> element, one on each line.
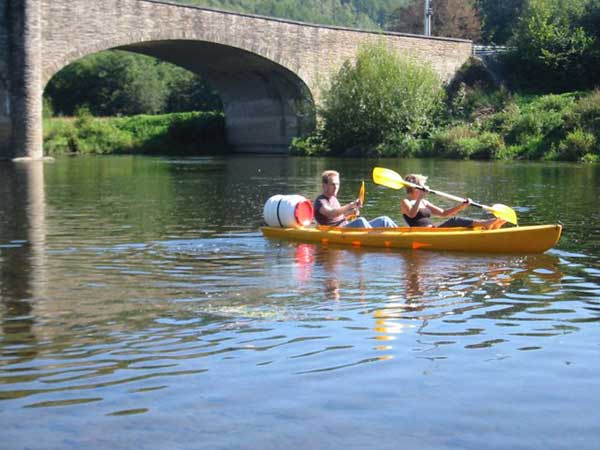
<point>517,240</point>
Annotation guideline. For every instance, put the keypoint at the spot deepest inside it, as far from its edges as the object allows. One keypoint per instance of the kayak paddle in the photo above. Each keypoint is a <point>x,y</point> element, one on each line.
<point>391,179</point>
<point>361,197</point>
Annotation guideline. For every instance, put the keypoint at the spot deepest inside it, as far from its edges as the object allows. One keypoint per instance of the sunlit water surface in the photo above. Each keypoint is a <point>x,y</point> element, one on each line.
<point>142,308</point>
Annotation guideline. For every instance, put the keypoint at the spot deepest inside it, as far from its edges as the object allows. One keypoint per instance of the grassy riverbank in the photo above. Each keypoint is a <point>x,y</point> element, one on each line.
<point>474,119</point>
<point>503,125</point>
<point>189,133</point>
<point>492,124</point>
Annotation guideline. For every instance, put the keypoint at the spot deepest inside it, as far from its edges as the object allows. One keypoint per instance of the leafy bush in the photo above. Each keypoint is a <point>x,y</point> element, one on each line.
<point>576,145</point>
<point>533,147</point>
<point>534,123</point>
<point>312,145</point>
<point>527,125</point>
<point>509,152</point>
<point>504,121</point>
<point>490,146</point>
<point>586,113</point>
<point>60,136</point>
<point>463,142</point>
<point>403,146</point>
<point>553,102</point>
<point>457,142</point>
<point>379,98</point>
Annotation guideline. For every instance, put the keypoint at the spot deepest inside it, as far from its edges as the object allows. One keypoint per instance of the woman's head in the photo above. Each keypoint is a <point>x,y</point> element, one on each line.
<point>415,178</point>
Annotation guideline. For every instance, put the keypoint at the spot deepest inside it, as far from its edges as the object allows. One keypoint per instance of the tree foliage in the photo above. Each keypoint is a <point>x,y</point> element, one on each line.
<point>352,13</point>
<point>451,18</point>
<point>379,98</point>
<point>121,83</point>
<point>499,18</point>
<point>555,45</point>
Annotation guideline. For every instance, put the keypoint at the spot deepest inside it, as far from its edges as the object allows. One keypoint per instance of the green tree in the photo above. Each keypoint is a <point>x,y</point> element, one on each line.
<point>115,82</point>
<point>328,12</point>
<point>499,18</point>
<point>591,23</point>
<point>379,99</point>
<point>552,50</point>
<point>188,92</point>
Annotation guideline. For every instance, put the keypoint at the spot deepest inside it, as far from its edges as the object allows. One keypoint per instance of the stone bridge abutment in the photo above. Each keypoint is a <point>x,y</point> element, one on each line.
<point>269,72</point>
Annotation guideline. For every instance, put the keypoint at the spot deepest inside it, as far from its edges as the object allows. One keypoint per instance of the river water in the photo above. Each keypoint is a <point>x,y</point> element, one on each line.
<point>140,307</point>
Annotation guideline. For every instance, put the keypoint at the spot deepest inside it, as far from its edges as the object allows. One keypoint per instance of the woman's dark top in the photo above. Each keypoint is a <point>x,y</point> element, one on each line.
<point>422,219</point>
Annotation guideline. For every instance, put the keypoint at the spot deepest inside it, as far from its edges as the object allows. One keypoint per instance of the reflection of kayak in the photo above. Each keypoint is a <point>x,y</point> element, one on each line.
<point>527,239</point>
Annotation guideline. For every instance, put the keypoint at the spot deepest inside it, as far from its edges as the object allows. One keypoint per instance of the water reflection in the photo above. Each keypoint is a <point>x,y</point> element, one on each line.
<point>438,292</point>
<point>22,256</point>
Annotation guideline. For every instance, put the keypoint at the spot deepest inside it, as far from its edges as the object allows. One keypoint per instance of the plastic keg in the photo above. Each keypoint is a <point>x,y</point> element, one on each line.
<point>288,211</point>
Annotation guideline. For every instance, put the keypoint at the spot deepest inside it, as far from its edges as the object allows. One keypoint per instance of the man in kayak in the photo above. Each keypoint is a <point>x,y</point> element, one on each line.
<point>328,210</point>
<point>417,211</point>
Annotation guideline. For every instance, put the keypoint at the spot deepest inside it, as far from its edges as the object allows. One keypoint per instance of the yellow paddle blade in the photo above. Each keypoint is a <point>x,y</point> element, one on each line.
<point>503,212</point>
<point>361,197</point>
<point>361,193</point>
<point>387,178</point>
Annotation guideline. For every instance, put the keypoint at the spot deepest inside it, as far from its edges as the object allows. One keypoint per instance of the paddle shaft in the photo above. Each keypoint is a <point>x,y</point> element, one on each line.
<point>445,195</point>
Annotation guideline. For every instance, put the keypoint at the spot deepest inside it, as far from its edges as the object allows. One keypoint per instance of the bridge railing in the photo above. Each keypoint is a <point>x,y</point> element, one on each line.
<point>484,50</point>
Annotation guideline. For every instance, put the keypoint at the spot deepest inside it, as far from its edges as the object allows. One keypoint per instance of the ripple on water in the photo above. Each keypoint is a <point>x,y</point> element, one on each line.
<point>143,314</point>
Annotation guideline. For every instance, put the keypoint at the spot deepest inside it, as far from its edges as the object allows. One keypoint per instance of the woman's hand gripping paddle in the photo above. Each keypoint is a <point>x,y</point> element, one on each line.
<point>391,179</point>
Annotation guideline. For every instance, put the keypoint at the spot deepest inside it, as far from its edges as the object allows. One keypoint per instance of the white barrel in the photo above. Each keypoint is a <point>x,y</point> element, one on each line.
<point>288,211</point>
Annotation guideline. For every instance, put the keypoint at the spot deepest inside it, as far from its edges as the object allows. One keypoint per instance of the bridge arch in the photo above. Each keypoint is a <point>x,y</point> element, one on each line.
<point>265,103</point>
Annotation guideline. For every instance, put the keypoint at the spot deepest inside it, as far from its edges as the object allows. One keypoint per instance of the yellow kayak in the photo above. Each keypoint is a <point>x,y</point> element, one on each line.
<point>527,239</point>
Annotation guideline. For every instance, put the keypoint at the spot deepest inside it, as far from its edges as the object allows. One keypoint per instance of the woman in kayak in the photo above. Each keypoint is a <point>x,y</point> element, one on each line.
<point>417,211</point>
<point>328,210</point>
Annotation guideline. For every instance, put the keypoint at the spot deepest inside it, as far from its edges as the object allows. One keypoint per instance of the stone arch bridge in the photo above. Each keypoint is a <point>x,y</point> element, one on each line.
<point>269,72</point>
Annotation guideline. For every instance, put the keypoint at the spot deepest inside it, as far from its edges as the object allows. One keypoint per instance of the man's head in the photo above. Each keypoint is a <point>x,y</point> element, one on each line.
<point>331,183</point>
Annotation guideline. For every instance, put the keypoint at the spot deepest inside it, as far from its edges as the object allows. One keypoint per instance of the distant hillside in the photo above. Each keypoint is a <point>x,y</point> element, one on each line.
<point>369,14</point>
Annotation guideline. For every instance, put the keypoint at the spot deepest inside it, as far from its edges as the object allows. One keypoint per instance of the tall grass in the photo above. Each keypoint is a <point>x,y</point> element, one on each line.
<point>195,133</point>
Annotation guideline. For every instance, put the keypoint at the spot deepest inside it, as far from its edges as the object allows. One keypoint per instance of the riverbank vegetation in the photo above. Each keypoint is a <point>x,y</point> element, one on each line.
<point>192,133</point>
<point>119,102</point>
<point>547,108</point>
<point>471,118</point>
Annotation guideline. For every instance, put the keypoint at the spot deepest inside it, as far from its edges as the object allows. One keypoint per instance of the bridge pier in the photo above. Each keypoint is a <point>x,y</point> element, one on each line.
<point>21,90</point>
<point>263,112</point>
